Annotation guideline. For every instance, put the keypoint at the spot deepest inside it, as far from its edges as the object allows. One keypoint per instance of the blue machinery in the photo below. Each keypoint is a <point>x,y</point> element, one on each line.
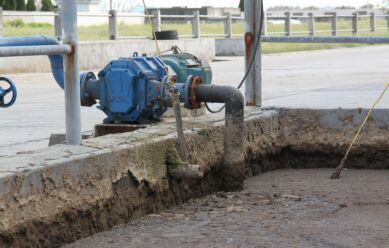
<point>136,90</point>
<point>127,90</point>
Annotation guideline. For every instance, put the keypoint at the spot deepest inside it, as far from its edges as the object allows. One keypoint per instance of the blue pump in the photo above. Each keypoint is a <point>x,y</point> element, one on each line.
<point>128,90</point>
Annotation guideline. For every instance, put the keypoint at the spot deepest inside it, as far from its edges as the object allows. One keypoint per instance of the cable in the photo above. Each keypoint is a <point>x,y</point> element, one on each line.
<point>341,166</point>
<point>256,47</point>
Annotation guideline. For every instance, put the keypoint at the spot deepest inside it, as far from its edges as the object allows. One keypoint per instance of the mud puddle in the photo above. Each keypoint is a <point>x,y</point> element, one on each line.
<point>285,208</point>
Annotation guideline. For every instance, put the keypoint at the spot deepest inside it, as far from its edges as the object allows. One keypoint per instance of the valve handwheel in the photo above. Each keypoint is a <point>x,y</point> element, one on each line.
<point>10,90</point>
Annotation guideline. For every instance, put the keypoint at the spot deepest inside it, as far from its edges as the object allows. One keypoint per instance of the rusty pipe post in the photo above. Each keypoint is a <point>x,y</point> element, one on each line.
<point>253,84</point>
<point>71,73</point>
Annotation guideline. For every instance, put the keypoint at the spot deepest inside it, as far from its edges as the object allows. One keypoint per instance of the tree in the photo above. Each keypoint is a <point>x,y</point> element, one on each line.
<point>31,5</point>
<point>47,5</point>
<point>345,7</point>
<point>368,6</point>
<point>311,8</point>
<point>241,5</point>
<point>9,4</point>
<point>20,5</point>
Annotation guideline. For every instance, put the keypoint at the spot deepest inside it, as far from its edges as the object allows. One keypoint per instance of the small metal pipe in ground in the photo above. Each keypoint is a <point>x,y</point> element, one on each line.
<point>71,73</point>
<point>233,163</point>
<point>327,39</point>
<point>35,50</point>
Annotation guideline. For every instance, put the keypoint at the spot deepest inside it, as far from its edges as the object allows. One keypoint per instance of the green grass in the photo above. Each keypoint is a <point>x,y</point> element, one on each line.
<point>100,32</point>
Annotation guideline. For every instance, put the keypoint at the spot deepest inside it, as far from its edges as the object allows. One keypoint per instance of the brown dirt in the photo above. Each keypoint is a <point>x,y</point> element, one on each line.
<point>285,208</point>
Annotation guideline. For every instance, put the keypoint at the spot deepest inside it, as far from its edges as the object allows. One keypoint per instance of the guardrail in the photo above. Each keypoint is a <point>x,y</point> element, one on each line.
<point>196,19</point>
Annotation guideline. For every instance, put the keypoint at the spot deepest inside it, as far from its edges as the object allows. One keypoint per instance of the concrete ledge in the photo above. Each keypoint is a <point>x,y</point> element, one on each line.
<point>64,193</point>
<point>230,47</point>
<point>96,55</point>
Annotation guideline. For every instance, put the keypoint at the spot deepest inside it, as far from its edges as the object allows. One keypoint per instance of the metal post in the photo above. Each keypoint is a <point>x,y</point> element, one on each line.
<point>264,28</point>
<point>71,73</point>
<point>355,23</point>
<point>387,22</point>
<point>334,24</point>
<point>228,26</point>
<point>57,23</point>
<point>311,24</point>
<point>196,24</point>
<point>253,86</point>
<point>156,19</point>
<point>113,27</point>
<point>288,23</point>
<point>1,21</point>
<point>373,22</point>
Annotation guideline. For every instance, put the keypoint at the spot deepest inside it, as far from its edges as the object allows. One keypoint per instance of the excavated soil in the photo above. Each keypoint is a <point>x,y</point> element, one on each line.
<point>284,208</point>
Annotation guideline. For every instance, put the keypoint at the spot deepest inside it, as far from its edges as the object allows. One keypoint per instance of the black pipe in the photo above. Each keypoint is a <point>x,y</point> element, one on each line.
<point>234,166</point>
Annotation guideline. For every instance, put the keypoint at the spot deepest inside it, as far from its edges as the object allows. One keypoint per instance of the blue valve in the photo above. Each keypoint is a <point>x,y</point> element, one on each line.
<point>10,90</point>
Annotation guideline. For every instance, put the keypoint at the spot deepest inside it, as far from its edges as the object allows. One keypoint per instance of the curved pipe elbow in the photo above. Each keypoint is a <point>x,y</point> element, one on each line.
<point>231,96</point>
<point>56,61</point>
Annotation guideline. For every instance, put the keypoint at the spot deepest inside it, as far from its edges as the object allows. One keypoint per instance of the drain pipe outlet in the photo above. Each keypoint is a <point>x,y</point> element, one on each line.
<point>233,163</point>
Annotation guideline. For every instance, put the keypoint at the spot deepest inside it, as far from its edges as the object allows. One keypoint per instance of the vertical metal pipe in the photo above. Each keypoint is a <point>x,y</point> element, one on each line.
<point>113,25</point>
<point>355,23</point>
<point>71,73</point>
<point>57,23</point>
<point>228,26</point>
<point>334,24</point>
<point>1,21</point>
<point>373,22</point>
<point>253,85</point>
<point>288,24</point>
<point>311,24</point>
<point>264,28</point>
<point>258,56</point>
<point>156,19</point>
<point>196,24</point>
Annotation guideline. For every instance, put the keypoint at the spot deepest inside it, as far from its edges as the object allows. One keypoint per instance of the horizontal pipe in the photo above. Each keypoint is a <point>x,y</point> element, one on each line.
<point>17,51</point>
<point>327,39</point>
<point>56,61</point>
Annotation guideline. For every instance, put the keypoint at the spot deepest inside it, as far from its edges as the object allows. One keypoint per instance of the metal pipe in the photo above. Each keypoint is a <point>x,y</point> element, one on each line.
<point>71,73</point>
<point>17,51</point>
<point>328,39</point>
<point>253,17</point>
<point>56,61</point>
<point>233,164</point>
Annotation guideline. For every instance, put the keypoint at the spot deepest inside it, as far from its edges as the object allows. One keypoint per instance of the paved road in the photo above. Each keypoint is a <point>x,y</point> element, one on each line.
<point>347,78</point>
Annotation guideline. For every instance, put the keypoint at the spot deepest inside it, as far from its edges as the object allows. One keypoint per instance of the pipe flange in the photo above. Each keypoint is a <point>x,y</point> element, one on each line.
<point>191,101</point>
<point>86,99</point>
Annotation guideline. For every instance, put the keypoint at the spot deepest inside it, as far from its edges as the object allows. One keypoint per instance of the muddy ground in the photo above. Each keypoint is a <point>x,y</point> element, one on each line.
<point>285,208</point>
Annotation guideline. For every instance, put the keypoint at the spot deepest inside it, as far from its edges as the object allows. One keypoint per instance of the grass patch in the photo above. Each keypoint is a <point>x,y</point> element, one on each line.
<point>100,32</point>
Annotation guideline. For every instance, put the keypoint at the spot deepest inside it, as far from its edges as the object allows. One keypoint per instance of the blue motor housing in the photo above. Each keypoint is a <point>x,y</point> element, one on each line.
<point>135,90</point>
<point>129,90</point>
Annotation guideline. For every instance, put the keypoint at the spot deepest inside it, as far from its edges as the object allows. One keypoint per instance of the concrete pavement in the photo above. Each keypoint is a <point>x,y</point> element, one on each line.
<point>346,78</point>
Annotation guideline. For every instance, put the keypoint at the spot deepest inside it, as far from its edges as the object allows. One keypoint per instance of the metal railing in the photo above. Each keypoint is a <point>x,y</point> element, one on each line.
<point>311,22</point>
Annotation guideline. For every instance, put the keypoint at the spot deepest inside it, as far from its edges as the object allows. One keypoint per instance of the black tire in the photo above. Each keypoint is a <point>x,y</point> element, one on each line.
<point>167,35</point>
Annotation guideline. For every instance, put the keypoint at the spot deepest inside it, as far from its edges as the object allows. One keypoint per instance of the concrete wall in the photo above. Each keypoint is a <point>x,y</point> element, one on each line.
<point>95,55</point>
<point>63,193</point>
<point>229,47</point>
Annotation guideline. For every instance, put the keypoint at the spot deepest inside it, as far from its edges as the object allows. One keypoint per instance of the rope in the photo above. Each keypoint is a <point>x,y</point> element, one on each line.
<point>341,166</point>
<point>152,27</point>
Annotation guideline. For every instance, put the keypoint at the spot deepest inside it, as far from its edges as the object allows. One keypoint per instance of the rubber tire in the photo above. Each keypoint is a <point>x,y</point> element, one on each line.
<point>167,35</point>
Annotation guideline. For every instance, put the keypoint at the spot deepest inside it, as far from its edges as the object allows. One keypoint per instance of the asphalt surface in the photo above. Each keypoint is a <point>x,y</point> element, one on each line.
<point>347,78</point>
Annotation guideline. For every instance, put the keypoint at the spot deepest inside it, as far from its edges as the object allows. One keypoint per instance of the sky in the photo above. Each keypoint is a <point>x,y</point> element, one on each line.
<point>267,3</point>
